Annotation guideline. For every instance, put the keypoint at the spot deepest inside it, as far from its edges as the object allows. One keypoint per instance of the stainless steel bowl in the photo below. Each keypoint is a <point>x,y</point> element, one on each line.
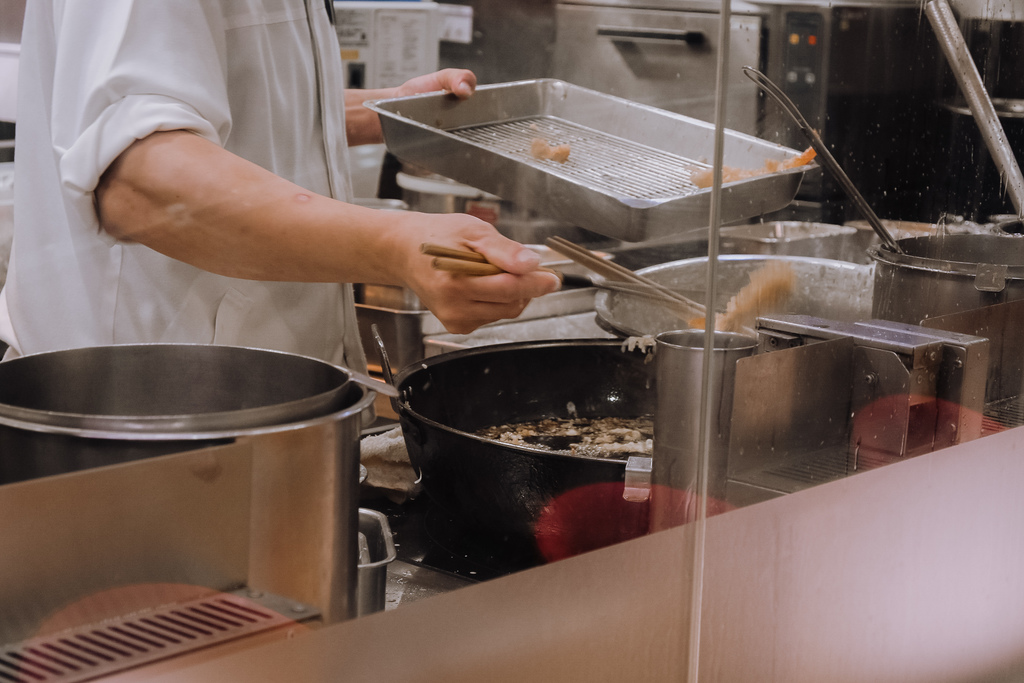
<point>837,290</point>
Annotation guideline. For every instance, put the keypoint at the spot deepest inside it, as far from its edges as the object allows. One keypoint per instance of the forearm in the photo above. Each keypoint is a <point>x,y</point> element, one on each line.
<point>191,200</point>
<point>362,125</point>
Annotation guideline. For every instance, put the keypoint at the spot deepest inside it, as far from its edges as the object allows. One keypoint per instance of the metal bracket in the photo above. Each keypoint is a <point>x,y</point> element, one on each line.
<point>638,478</point>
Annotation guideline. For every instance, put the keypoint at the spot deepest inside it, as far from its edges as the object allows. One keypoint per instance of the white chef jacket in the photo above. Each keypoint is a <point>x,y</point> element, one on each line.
<point>262,78</point>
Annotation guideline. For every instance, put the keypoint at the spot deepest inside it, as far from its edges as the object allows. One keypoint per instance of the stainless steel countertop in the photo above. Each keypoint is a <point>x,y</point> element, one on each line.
<point>408,583</point>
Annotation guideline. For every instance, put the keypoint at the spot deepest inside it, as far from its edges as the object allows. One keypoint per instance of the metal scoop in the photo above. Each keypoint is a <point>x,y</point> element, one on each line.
<point>826,157</point>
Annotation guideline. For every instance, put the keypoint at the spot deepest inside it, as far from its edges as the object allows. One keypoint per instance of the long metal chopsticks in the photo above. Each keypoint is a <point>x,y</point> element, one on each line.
<point>614,272</point>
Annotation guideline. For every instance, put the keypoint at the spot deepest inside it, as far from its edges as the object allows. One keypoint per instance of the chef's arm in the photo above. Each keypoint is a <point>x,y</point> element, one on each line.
<point>190,199</point>
<point>362,126</point>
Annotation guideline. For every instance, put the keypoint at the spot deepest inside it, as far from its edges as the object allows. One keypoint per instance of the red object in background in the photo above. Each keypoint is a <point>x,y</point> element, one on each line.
<point>906,425</point>
<point>596,516</point>
<point>485,210</point>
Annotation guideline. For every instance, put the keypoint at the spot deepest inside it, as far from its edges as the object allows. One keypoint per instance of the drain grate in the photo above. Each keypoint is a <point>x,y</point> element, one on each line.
<point>801,472</point>
<point>1004,414</point>
<point>600,161</point>
<point>96,650</point>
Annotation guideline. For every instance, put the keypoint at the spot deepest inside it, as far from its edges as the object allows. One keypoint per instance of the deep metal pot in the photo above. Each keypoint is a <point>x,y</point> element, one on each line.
<point>938,275</point>
<point>74,409</point>
<point>510,490</point>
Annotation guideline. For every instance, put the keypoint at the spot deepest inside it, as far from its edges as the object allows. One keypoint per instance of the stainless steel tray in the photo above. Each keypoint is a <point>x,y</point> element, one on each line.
<point>629,171</point>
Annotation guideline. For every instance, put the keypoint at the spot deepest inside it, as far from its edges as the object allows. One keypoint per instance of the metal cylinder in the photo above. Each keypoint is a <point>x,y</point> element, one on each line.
<point>679,358</point>
<point>77,409</point>
<point>939,275</point>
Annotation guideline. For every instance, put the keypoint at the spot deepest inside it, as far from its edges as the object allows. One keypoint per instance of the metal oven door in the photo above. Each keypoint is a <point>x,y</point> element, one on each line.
<point>665,58</point>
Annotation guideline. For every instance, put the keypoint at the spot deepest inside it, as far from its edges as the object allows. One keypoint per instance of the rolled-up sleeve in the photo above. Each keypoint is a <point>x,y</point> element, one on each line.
<point>127,68</point>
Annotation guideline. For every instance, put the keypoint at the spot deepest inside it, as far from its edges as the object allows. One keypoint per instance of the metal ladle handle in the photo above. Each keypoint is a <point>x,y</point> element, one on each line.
<point>967,77</point>
<point>826,157</point>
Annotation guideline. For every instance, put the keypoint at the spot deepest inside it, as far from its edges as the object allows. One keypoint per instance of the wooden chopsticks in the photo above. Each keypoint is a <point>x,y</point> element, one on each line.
<point>464,262</point>
<point>459,261</point>
<point>640,285</point>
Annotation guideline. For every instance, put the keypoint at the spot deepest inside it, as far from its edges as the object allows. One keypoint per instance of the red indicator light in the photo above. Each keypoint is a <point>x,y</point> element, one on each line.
<point>813,40</point>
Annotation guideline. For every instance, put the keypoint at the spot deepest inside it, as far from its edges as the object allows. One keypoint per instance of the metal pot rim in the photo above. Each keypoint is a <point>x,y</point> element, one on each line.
<point>405,373</point>
<point>881,254</point>
<point>323,407</point>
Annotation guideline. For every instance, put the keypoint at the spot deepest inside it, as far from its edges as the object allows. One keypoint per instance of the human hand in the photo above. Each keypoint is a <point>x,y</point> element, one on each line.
<point>459,82</point>
<point>465,302</point>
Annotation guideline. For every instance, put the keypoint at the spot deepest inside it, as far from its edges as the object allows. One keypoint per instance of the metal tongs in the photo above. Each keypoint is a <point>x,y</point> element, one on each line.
<point>826,157</point>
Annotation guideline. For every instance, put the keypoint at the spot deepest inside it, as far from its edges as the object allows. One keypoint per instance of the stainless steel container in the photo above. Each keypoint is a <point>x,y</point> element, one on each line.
<point>298,419</point>
<point>679,356</point>
<point>376,552</point>
<point>74,409</point>
<point>630,173</point>
<point>946,274</point>
<point>797,238</point>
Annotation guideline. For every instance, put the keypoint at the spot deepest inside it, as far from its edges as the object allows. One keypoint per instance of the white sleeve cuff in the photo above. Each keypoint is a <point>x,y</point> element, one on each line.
<point>131,118</point>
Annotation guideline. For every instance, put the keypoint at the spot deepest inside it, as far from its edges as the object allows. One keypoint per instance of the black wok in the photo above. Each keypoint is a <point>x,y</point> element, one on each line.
<point>507,489</point>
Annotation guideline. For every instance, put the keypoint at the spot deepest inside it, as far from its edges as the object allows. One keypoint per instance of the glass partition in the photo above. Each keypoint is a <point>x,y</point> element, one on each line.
<point>861,237</point>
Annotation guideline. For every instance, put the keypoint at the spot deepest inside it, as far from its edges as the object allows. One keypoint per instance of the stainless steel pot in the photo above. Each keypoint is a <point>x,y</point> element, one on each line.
<point>73,409</point>
<point>938,275</point>
<point>797,238</point>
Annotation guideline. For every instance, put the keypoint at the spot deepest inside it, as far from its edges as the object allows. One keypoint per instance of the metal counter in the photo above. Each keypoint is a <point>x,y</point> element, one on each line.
<point>907,573</point>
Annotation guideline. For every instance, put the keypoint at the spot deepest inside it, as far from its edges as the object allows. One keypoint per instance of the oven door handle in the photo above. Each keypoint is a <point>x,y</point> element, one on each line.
<point>647,35</point>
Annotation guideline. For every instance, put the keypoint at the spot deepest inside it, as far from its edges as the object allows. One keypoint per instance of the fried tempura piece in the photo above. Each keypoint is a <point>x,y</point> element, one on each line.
<point>705,177</point>
<point>770,287</point>
<point>542,149</point>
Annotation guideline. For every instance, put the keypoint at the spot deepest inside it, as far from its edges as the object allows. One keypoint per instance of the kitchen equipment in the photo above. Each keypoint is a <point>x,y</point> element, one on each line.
<point>796,238</point>
<point>384,44</point>
<point>628,175</point>
<point>838,289</point>
<point>864,74</point>
<point>824,154</point>
<point>503,488</point>
<point>660,53</point>
<point>377,551</point>
<point>942,274</point>
<point>67,410</point>
<point>679,358</point>
<point>1003,326</point>
<point>293,421</point>
<point>823,399</point>
<point>966,73</point>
